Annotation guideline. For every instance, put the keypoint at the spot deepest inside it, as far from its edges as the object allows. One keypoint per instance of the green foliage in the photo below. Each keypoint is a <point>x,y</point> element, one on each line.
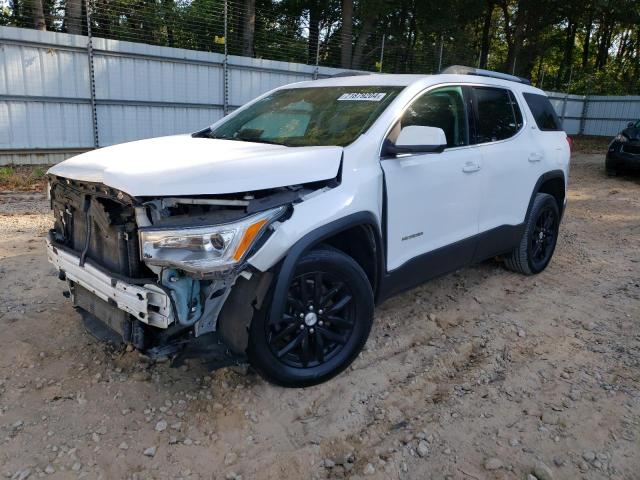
<point>23,177</point>
<point>586,46</point>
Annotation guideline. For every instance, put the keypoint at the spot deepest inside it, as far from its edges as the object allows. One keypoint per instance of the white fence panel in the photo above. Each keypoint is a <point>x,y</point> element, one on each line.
<point>145,91</point>
<point>607,115</point>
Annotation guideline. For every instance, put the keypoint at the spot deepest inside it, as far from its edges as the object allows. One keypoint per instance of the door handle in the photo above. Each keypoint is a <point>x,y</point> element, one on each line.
<point>535,157</point>
<point>471,167</point>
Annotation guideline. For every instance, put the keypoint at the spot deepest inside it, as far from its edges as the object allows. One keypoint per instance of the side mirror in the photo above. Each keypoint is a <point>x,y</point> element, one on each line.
<point>418,139</point>
<point>631,124</point>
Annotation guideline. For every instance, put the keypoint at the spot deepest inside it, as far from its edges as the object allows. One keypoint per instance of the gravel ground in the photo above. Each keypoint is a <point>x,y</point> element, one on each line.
<point>482,374</point>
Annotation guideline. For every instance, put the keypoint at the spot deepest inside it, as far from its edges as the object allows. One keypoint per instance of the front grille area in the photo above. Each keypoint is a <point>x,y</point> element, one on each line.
<point>632,148</point>
<point>97,224</point>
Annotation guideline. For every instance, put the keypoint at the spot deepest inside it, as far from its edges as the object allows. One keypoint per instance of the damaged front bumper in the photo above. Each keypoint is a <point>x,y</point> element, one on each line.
<point>148,303</point>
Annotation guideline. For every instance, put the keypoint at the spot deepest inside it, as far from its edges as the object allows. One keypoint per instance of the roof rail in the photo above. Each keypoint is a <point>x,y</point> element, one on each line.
<point>349,74</point>
<point>463,70</point>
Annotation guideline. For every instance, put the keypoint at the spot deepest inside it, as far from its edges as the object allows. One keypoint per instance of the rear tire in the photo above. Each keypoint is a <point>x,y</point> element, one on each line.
<point>539,239</point>
<point>327,320</point>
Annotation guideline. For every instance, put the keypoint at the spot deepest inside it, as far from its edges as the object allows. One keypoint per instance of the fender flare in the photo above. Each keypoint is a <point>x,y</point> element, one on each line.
<point>288,265</point>
<point>543,178</point>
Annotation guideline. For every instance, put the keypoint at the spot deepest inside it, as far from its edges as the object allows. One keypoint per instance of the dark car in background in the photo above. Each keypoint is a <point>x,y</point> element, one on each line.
<point>624,150</point>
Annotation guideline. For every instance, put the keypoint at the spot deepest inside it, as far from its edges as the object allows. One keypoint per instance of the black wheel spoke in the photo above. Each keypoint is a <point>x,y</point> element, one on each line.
<point>291,345</point>
<point>319,346</point>
<point>332,336</point>
<point>536,250</point>
<point>548,241</point>
<point>339,321</point>
<point>304,291</point>
<point>297,304</point>
<point>340,304</point>
<point>287,318</point>
<point>304,345</point>
<point>317,288</point>
<point>284,333</point>
<point>330,294</point>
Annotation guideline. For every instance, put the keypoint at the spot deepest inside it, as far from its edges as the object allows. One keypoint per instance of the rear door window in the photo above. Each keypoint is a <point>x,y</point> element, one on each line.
<point>498,115</point>
<point>543,112</point>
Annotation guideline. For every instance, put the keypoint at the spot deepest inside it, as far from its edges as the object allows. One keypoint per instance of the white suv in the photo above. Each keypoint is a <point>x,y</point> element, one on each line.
<point>281,225</point>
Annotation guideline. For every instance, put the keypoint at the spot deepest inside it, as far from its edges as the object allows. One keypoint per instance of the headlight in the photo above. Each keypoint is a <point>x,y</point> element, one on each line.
<point>621,138</point>
<point>205,249</point>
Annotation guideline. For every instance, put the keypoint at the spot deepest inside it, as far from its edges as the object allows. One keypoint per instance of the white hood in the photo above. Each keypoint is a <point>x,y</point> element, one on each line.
<point>183,165</point>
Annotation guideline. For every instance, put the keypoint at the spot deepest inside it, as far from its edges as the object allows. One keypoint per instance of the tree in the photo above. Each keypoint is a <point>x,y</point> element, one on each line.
<point>38,15</point>
<point>596,43</point>
<point>346,33</point>
<point>73,16</point>
<point>248,27</point>
<point>486,32</point>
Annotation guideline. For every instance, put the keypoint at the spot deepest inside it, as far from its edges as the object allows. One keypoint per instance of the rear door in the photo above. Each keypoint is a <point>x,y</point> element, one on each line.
<point>511,161</point>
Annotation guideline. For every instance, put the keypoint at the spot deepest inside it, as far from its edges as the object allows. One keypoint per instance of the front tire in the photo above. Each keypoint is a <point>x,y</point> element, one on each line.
<point>539,239</point>
<point>327,320</point>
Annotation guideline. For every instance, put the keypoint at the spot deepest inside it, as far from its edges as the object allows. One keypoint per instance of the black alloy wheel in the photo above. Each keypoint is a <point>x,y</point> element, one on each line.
<point>319,319</point>
<point>538,242</point>
<point>544,236</point>
<point>326,321</point>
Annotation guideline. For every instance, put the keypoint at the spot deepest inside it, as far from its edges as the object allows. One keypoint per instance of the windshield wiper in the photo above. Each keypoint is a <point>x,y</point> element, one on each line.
<point>257,140</point>
<point>208,133</point>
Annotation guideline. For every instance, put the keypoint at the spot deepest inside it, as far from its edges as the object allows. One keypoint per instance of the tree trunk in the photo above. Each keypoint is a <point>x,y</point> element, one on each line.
<point>358,50</point>
<point>38,15</point>
<point>636,62</point>
<point>517,38</point>
<point>314,32</point>
<point>486,35</point>
<point>567,60</point>
<point>73,17</point>
<point>622,47</point>
<point>508,31</point>
<point>346,33</point>
<point>248,28</point>
<point>603,46</point>
<point>587,39</point>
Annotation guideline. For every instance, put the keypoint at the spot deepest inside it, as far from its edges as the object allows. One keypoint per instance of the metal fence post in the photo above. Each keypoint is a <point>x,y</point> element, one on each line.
<point>225,63</point>
<point>583,115</point>
<point>564,108</point>
<point>441,48</point>
<point>92,78</point>
<point>316,70</point>
<point>381,53</point>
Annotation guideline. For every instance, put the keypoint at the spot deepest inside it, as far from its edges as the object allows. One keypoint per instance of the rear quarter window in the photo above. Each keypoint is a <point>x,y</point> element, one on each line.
<point>543,112</point>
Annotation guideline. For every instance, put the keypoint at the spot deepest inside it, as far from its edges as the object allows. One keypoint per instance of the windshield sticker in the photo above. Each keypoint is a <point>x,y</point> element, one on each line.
<point>361,97</point>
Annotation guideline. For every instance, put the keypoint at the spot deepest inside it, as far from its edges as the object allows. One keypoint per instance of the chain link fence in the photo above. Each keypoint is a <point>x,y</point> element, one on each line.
<point>291,32</point>
<point>114,79</point>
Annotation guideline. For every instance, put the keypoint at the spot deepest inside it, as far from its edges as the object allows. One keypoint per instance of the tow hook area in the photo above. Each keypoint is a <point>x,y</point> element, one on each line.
<point>185,292</point>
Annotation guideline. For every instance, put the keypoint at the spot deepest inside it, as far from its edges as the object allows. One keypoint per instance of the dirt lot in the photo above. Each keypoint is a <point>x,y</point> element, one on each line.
<point>481,374</point>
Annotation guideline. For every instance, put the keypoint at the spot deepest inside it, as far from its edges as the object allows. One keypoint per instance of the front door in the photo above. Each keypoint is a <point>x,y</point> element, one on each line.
<point>433,198</point>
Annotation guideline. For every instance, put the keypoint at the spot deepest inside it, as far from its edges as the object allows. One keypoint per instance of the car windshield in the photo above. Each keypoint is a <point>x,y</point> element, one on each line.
<point>299,117</point>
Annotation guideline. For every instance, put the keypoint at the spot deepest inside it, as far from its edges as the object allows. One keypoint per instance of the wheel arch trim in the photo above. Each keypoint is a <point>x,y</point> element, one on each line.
<point>288,264</point>
<point>550,175</point>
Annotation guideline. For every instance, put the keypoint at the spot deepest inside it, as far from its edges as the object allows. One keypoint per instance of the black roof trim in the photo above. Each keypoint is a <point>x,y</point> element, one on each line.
<point>349,74</point>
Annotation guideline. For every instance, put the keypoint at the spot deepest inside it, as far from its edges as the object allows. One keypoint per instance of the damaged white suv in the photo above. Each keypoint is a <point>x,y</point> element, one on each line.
<point>281,225</point>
